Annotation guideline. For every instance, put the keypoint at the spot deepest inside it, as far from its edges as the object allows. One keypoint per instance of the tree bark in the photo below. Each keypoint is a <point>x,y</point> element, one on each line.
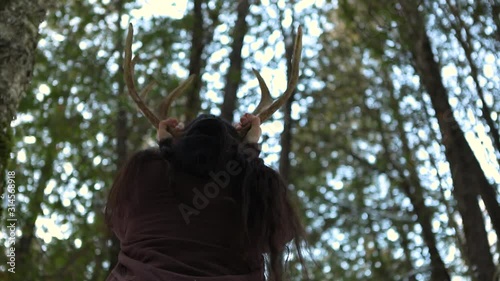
<point>413,189</point>
<point>19,21</point>
<point>121,127</point>
<point>450,211</point>
<point>468,178</point>
<point>233,75</point>
<point>459,25</point>
<point>286,135</point>
<point>495,14</point>
<point>195,62</point>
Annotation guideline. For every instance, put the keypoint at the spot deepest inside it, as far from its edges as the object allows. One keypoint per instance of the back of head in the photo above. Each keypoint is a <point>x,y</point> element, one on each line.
<point>207,144</point>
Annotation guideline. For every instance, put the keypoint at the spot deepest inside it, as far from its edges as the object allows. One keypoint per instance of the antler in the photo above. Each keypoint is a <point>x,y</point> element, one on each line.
<point>267,106</point>
<point>128,67</point>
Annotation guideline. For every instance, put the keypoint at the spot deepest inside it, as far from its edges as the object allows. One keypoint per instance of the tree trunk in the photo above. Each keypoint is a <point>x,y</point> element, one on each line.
<point>468,178</point>
<point>19,21</point>
<point>461,29</point>
<point>286,135</point>
<point>195,62</point>
<point>450,211</point>
<point>413,189</point>
<point>233,76</point>
<point>121,127</point>
<point>495,14</point>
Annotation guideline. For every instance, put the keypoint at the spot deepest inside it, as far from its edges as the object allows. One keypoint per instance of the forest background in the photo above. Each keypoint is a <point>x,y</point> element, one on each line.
<point>390,145</point>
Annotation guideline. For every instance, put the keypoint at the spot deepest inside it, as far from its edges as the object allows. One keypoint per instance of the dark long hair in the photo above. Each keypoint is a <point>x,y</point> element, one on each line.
<point>268,217</point>
<point>127,183</point>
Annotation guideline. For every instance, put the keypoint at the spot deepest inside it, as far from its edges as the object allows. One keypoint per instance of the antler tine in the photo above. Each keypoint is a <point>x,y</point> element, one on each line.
<point>167,102</point>
<point>128,67</point>
<point>147,89</point>
<point>266,98</point>
<point>292,82</point>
